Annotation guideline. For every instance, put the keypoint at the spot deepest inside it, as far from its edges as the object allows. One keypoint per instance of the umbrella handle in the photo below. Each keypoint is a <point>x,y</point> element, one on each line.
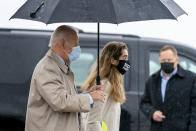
<point>98,80</point>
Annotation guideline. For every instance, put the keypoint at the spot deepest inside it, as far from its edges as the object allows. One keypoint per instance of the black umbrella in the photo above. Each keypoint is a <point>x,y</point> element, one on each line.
<point>106,11</point>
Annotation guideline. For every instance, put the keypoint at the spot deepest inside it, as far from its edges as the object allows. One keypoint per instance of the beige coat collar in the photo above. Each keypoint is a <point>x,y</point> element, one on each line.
<point>61,65</point>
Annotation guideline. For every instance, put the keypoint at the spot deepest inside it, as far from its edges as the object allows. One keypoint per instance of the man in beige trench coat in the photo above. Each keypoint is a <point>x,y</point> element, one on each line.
<point>53,103</point>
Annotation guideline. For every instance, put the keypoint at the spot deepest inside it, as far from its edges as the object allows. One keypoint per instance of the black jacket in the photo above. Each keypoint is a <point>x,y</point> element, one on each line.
<point>179,105</point>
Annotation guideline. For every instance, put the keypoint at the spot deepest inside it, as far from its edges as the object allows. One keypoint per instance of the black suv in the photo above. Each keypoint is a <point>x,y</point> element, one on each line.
<point>20,50</point>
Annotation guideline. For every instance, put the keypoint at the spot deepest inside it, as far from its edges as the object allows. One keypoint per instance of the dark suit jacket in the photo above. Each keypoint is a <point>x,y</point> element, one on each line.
<point>179,105</point>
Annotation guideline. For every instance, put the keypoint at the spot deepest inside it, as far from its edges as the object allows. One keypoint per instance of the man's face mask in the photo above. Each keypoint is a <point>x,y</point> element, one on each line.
<point>123,66</point>
<point>75,54</point>
<point>167,67</point>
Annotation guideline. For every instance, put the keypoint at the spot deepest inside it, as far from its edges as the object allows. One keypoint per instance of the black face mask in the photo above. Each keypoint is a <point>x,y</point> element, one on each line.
<point>167,67</point>
<point>123,66</point>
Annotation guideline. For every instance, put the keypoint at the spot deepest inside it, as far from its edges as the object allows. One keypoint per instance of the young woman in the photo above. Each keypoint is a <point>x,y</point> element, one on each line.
<point>113,64</point>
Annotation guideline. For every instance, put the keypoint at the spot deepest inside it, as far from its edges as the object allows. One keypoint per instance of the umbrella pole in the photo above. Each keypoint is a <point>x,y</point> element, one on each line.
<point>98,77</point>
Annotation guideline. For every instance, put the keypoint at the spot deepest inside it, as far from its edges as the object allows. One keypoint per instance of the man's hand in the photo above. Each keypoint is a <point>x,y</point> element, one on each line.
<point>98,95</point>
<point>158,116</point>
<point>96,87</point>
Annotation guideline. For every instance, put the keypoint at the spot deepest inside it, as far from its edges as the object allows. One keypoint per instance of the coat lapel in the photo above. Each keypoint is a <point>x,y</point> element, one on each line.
<point>72,75</point>
<point>61,65</point>
<point>169,92</point>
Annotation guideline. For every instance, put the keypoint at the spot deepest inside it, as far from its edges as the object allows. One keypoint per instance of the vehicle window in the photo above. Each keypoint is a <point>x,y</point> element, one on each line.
<point>81,67</point>
<point>154,65</point>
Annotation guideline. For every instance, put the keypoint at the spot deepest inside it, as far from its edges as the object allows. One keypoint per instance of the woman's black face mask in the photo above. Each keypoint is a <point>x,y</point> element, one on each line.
<point>123,66</point>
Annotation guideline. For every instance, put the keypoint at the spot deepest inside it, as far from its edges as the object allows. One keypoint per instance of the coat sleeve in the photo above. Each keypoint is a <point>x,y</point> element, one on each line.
<point>146,103</point>
<point>193,107</point>
<point>96,113</point>
<point>55,93</point>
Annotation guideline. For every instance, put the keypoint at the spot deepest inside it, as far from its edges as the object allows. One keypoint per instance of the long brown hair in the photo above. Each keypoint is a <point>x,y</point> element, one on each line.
<point>107,70</point>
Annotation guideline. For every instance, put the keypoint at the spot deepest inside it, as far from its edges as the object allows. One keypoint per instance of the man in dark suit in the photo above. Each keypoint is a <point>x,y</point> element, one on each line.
<point>169,99</point>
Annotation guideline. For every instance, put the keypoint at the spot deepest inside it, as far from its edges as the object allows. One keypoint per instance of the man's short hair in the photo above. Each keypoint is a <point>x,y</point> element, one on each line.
<point>169,47</point>
<point>63,32</point>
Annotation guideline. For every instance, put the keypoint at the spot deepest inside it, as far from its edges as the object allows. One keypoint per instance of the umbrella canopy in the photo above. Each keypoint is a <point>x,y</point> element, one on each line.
<point>105,11</point>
